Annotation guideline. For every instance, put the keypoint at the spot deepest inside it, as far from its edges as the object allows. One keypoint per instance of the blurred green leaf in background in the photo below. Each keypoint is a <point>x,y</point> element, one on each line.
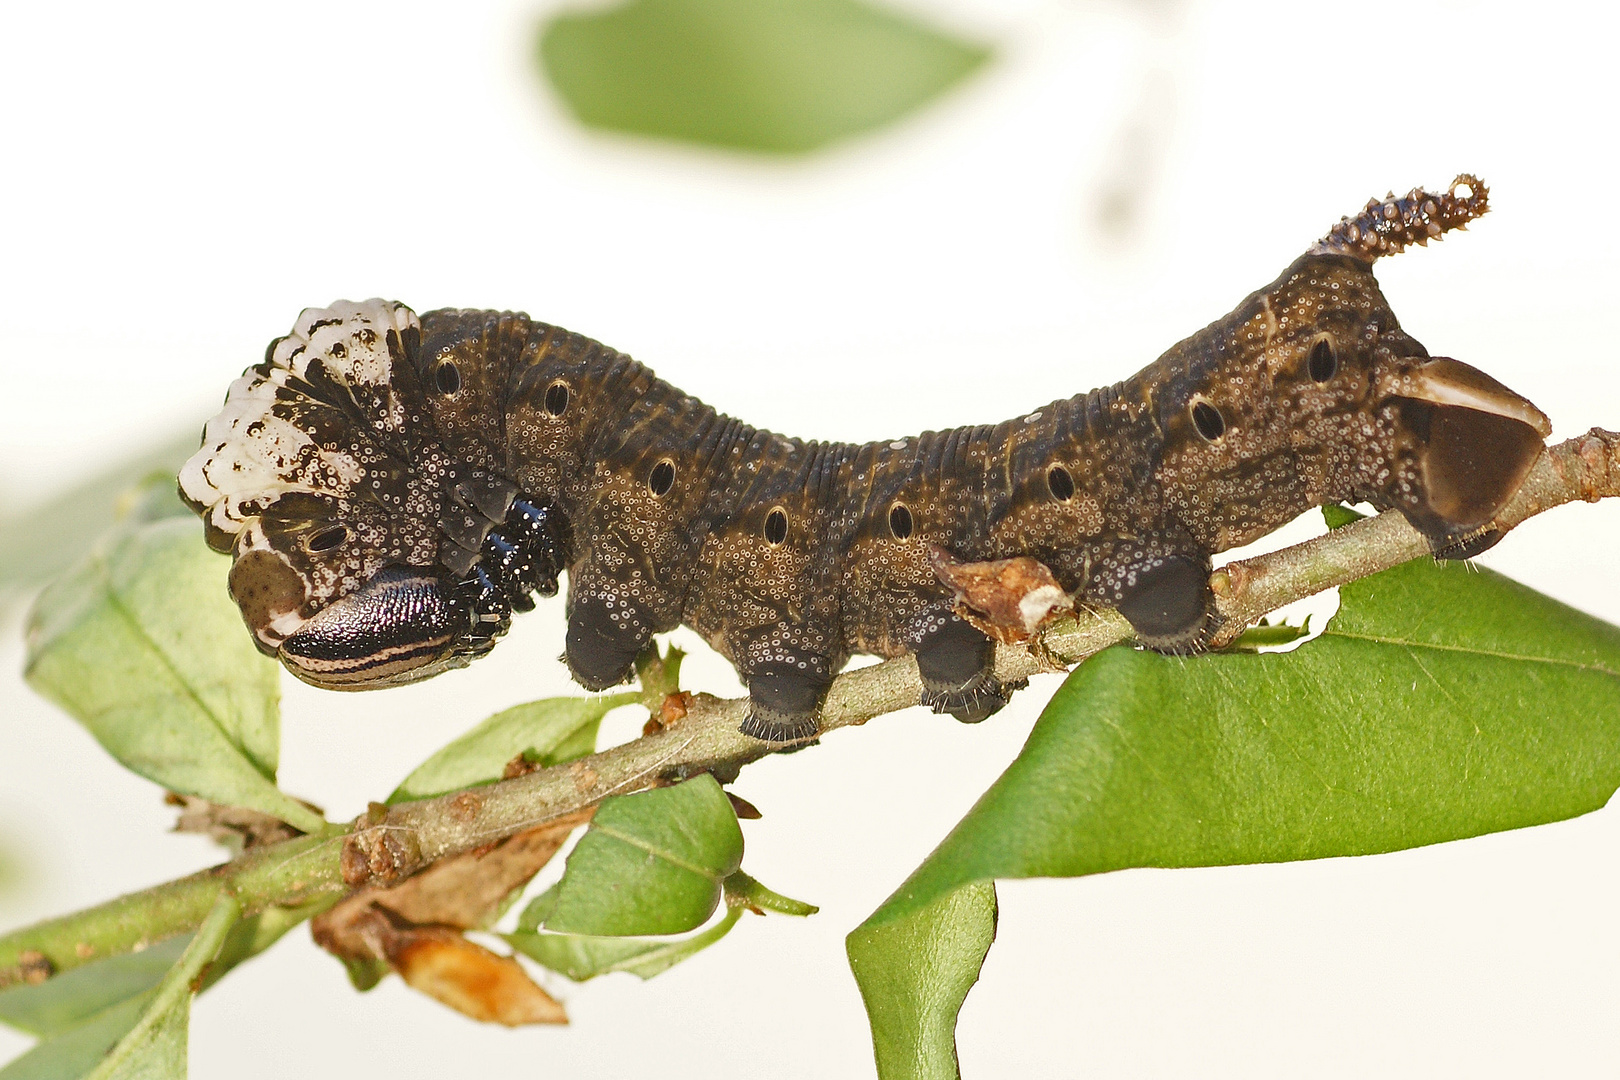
<point>777,76</point>
<point>39,543</point>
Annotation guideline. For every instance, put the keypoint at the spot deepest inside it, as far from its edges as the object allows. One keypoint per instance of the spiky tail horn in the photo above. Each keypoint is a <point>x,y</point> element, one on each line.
<point>1390,225</point>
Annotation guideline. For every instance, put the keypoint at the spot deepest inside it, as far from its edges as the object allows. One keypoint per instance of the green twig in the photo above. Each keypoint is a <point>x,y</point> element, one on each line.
<point>291,874</point>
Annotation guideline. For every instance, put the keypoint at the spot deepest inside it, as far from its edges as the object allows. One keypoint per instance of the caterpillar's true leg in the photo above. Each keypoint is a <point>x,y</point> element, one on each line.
<point>1163,593</point>
<point>957,664</point>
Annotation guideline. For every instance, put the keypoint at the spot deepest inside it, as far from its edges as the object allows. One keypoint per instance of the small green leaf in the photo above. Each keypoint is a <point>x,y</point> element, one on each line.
<point>67,1000</point>
<point>141,643</point>
<point>73,1053</point>
<point>914,973</point>
<point>584,956</point>
<point>744,891</point>
<point>651,863</point>
<point>1280,634</point>
<point>1338,516</point>
<point>780,76</point>
<point>142,1037</point>
<point>551,732</point>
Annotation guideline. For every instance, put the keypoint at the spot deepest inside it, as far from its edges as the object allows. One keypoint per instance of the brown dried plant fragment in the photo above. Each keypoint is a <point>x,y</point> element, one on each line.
<point>416,927</point>
<point>235,828</point>
<point>439,962</point>
<point>1009,600</point>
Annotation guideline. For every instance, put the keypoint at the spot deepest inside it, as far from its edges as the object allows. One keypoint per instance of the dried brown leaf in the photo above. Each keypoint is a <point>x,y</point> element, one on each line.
<point>1008,599</point>
<point>464,891</point>
<point>235,828</point>
<point>440,963</point>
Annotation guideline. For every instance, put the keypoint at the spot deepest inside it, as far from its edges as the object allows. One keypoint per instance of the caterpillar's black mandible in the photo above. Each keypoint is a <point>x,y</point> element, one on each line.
<point>393,487</point>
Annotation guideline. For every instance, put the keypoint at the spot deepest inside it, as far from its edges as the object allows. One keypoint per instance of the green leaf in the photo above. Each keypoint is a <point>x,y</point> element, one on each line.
<point>140,642</point>
<point>780,76</point>
<point>549,732</point>
<point>67,1000</point>
<point>39,543</point>
<point>73,1053</point>
<point>914,973</point>
<point>1441,702</point>
<point>143,1036</point>
<point>744,891</point>
<point>1281,634</point>
<point>651,863</point>
<point>585,956</point>
<point>1338,516</point>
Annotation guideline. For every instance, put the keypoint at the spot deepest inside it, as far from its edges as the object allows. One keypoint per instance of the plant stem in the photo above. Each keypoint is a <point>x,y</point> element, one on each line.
<point>384,847</point>
<point>289,874</point>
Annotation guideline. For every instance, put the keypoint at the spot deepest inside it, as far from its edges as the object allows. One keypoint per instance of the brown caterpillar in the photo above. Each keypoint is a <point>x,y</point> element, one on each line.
<point>392,487</point>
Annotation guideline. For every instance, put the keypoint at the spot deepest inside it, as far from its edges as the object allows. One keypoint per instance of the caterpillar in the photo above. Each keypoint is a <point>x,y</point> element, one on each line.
<point>393,487</point>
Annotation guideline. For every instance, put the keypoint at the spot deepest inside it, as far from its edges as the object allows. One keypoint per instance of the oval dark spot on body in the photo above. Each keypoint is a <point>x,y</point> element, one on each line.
<point>327,539</point>
<point>662,478</point>
<point>1060,483</point>
<point>900,521</point>
<point>776,525</point>
<point>1208,420</point>
<point>447,377</point>
<point>557,398</point>
<point>1324,361</point>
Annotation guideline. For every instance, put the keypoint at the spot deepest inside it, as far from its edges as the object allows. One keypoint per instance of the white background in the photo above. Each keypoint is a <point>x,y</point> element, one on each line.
<point>177,182</point>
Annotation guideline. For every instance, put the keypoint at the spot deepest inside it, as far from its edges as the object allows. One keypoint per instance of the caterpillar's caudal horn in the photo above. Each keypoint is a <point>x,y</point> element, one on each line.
<point>1390,225</point>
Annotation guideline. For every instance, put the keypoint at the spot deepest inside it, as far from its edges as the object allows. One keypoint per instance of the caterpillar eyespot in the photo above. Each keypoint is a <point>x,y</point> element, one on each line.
<point>1208,420</point>
<point>900,521</point>
<point>446,377</point>
<point>662,478</point>
<point>557,398</point>
<point>1324,360</point>
<point>1060,483</point>
<point>776,526</point>
<point>392,492</point>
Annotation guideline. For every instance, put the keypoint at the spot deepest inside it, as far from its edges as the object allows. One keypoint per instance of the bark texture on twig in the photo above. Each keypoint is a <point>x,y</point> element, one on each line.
<point>392,843</point>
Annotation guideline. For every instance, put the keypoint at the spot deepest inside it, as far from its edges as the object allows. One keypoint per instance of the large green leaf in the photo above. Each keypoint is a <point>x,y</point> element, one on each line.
<point>549,732</point>
<point>141,643</point>
<point>783,76</point>
<point>914,974</point>
<point>1441,702</point>
<point>651,863</point>
<point>143,1035</point>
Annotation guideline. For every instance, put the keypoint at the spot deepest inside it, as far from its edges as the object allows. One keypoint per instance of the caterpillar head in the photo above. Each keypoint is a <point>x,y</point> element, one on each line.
<point>315,475</point>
